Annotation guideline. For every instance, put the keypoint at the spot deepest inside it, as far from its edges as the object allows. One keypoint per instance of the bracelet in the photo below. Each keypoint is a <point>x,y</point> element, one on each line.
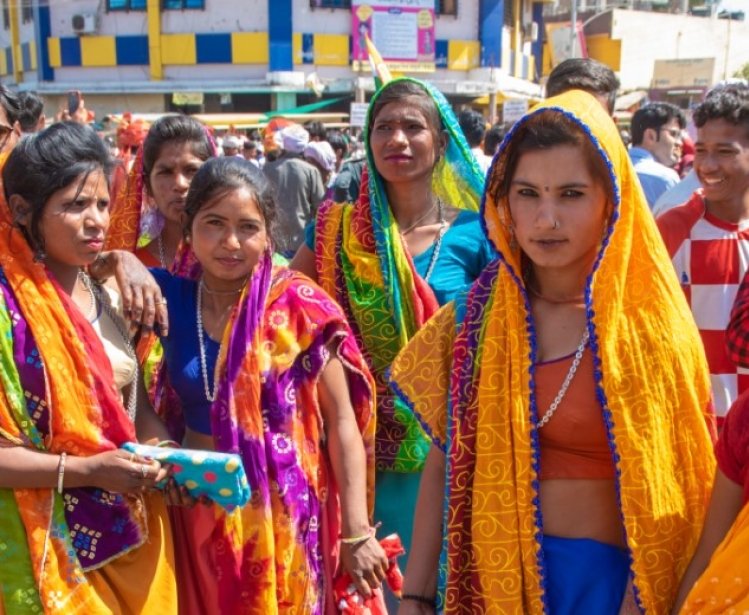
<point>168,443</point>
<point>355,540</point>
<point>61,472</point>
<point>420,599</point>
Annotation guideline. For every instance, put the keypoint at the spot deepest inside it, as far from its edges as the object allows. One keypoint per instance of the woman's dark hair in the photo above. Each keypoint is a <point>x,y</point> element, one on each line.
<point>398,92</point>
<point>32,108</point>
<point>10,102</point>
<point>48,161</point>
<point>544,131</point>
<point>220,176</point>
<point>174,129</point>
<point>337,142</point>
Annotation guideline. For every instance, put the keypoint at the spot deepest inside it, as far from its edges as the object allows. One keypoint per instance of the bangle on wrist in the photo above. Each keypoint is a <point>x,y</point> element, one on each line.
<point>169,444</point>
<point>426,600</point>
<point>61,472</point>
<point>356,540</point>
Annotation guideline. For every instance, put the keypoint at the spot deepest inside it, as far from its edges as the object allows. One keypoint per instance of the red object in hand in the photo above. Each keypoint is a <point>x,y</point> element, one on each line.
<point>350,602</point>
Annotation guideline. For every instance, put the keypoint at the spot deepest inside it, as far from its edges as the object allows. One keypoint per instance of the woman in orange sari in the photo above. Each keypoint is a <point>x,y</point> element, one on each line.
<point>80,530</point>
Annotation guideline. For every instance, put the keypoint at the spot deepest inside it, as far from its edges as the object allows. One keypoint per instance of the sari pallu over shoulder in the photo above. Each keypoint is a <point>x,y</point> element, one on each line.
<point>58,396</point>
<point>277,553</point>
<point>362,262</point>
<point>645,386</point>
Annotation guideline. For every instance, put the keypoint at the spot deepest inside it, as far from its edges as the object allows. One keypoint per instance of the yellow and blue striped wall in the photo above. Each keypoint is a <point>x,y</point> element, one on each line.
<point>278,48</point>
<point>190,49</point>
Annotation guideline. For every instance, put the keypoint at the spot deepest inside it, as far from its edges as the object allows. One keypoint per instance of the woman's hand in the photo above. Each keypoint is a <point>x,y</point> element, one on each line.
<point>366,563</point>
<point>117,471</point>
<point>178,495</point>
<point>142,301</point>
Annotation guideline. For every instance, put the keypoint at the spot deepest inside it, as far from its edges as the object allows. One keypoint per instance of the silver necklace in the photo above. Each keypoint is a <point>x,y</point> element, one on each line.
<point>438,243</point>
<point>566,384</point>
<point>95,291</point>
<point>91,314</point>
<point>421,218</point>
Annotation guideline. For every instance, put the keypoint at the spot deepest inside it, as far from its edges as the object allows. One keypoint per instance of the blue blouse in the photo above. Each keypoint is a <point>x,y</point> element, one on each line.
<point>182,350</point>
<point>464,253</point>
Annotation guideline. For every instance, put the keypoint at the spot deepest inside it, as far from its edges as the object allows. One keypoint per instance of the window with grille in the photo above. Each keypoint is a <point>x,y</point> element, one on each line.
<point>140,5</point>
<point>126,5</point>
<point>183,4</point>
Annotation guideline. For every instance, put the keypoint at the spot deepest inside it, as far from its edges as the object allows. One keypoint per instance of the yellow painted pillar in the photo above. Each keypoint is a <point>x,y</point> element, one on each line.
<point>154,40</point>
<point>15,41</point>
<point>517,38</point>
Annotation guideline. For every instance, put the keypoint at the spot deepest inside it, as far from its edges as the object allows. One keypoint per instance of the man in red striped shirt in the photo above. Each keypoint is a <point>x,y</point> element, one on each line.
<point>708,236</point>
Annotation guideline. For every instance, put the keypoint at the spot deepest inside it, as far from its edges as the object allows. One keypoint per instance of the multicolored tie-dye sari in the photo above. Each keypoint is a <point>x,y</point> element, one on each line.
<point>652,385</point>
<point>58,395</point>
<point>362,262</point>
<point>277,554</point>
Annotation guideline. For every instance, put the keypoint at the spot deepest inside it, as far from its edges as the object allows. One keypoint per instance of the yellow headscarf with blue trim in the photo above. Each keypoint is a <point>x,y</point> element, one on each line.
<point>651,380</point>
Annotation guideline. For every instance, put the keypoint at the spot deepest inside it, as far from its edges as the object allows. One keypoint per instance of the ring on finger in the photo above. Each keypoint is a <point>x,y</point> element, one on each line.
<point>162,302</point>
<point>144,470</point>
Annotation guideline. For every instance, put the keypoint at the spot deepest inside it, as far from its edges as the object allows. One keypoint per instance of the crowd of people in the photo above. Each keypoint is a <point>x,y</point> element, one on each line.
<point>481,341</point>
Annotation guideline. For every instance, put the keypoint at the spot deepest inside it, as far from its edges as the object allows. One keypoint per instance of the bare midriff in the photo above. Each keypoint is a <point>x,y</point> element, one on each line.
<point>197,440</point>
<point>582,508</point>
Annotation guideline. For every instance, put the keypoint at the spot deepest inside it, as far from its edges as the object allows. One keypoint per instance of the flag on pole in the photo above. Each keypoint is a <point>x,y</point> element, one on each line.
<point>379,69</point>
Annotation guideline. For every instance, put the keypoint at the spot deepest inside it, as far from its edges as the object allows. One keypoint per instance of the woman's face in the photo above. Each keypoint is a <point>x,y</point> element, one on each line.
<point>228,237</point>
<point>558,208</point>
<point>75,221</point>
<point>404,144</point>
<point>170,178</point>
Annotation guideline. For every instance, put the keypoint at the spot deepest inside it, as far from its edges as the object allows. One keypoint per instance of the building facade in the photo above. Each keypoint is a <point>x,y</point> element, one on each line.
<point>245,55</point>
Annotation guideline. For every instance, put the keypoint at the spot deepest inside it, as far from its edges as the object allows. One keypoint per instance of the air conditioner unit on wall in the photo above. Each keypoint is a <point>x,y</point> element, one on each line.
<point>84,23</point>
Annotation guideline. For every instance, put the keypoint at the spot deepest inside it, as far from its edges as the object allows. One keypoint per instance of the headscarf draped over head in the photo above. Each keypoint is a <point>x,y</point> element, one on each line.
<point>651,381</point>
<point>361,260</point>
<point>134,223</point>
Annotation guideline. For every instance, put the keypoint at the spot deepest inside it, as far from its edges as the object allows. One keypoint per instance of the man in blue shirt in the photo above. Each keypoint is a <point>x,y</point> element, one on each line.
<point>656,147</point>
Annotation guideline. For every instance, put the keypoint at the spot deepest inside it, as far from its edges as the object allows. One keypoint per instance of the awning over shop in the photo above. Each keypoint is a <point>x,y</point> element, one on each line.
<point>312,107</point>
<point>624,102</point>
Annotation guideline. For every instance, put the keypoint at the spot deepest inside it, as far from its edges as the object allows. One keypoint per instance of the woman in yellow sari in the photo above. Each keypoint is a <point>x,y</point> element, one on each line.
<point>80,530</point>
<point>575,357</point>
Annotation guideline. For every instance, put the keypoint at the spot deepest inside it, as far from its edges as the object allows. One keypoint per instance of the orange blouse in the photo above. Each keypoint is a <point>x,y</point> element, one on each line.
<point>574,443</point>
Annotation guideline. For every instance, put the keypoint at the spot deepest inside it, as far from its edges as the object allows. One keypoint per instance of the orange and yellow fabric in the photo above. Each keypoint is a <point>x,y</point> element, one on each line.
<point>724,586</point>
<point>84,550</point>
<point>470,379</point>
